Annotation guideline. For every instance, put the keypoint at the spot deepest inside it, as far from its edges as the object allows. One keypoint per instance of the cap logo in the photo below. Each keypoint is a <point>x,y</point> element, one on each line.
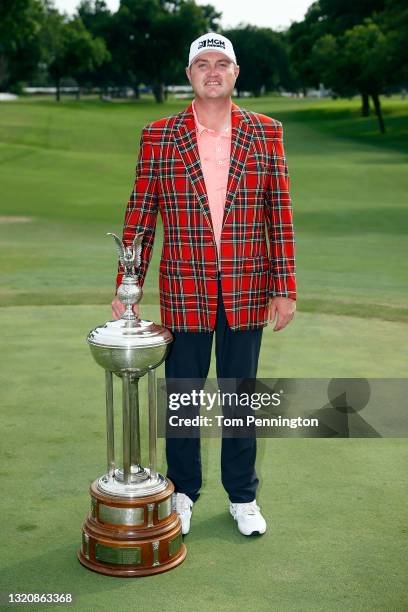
<point>211,42</point>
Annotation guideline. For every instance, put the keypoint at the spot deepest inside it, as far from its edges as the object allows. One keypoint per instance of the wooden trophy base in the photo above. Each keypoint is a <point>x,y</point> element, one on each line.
<point>129,537</point>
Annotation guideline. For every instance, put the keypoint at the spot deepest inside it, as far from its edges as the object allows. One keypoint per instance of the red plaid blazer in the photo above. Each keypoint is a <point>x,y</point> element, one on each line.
<point>257,211</point>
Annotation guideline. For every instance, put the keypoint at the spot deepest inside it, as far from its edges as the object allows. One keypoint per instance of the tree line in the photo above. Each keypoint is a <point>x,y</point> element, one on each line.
<point>351,47</point>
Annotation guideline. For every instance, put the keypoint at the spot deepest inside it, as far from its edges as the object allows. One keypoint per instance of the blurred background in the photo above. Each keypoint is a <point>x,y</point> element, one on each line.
<point>78,81</point>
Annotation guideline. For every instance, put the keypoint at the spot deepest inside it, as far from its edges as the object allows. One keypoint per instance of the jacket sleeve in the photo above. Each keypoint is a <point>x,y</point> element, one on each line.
<point>279,223</point>
<point>142,208</point>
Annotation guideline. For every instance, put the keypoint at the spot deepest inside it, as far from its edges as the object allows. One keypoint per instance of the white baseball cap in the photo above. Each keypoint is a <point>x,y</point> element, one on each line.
<point>211,42</point>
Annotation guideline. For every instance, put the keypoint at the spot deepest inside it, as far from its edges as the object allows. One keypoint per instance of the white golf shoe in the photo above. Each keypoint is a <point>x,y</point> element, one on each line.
<point>249,518</point>
<point>183,505</point>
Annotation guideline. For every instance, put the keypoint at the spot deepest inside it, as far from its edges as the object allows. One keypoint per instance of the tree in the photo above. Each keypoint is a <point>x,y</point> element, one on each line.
<point>301,37</point>
<point>342,15</point>
<point>95,16</point>
<point>20,49</point>
<point>393,21</point>
<point>211,17</point>
<point>153,38</point>
<point>366,56</point>
<point>100,22</point>
<point>356,61</point>
<point>73,51</point>
<point>262,58</point>
<point>322,30</point>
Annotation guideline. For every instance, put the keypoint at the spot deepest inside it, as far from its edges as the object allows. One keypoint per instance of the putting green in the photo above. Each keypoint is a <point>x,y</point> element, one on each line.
<point>335,508</point>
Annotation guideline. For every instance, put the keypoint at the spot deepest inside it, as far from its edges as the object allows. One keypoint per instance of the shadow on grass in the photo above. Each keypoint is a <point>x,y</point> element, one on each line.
<point>382,220</point>
<point>309,304</point>
<point>220,526</point>
<point>347,123</point>
<point>363,310</point>
<point>69,102</point>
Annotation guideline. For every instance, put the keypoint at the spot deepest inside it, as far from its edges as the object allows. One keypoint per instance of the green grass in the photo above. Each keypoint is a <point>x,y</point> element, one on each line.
<point>335,508</point>
<point>70,168</point>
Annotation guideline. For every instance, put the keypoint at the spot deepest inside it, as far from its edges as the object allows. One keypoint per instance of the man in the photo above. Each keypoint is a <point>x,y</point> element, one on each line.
<point>218,175</point>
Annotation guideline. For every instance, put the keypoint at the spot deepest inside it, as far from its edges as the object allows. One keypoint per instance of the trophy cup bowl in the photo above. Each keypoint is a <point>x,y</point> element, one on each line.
<point>132,528</point>
<point>116,348</point>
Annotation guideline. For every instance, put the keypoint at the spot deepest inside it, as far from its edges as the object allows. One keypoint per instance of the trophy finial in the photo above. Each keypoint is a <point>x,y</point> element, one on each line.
<point>129,256</point>
<point>129,291</point>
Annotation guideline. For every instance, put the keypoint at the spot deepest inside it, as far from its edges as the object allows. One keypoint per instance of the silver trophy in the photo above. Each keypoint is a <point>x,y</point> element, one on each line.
<point>132,529</point>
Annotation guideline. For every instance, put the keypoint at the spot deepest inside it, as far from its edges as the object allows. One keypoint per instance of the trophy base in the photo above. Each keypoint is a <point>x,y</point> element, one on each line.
<point>132,572</point>
<point>130,537</point>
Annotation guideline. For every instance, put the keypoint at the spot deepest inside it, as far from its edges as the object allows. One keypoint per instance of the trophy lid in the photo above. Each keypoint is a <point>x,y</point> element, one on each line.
<point>118,334</point>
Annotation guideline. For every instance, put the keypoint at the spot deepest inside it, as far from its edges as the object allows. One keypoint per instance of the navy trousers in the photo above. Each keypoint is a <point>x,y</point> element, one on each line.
<point>237,354</point>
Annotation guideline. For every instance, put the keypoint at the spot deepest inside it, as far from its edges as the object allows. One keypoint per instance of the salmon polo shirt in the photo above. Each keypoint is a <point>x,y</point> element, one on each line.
<point>215,150</point>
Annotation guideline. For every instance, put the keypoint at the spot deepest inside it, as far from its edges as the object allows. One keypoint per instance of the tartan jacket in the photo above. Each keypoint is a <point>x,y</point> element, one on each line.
<point>257,211</point>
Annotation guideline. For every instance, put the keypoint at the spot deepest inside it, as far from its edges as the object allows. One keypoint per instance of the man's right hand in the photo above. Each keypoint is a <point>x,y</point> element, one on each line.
<point>118,308</point>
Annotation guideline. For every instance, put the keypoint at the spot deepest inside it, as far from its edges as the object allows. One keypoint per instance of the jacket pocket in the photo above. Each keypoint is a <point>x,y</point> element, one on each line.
<point>255,165</point>
<point>182,268</point>
<point>256,265</point>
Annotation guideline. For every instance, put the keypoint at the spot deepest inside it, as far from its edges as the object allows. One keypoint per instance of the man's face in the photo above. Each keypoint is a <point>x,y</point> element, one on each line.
<point>212,75</point>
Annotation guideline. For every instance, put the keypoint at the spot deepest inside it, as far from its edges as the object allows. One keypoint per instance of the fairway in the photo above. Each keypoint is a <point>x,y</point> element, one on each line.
<point>70,169</point>
<point>335,508</point>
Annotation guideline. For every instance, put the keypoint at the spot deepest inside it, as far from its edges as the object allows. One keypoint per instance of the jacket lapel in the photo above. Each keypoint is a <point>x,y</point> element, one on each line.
<point>241,139</point>
<point>186,141</point>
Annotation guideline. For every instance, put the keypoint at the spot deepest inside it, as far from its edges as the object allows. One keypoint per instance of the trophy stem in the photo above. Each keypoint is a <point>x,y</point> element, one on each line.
<point>126,393</point>
<point>135,458</point>
<point>152,422</point>
<point>110,435</point>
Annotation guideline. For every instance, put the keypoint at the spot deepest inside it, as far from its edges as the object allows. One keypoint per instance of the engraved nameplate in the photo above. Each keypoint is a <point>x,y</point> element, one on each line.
<point>174,545</point>
<point>121,556</point>
<point>164,509</point>
<point>121,516</point>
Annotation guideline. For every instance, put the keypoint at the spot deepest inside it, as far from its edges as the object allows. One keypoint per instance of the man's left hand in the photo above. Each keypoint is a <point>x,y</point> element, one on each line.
<point>283,310</point>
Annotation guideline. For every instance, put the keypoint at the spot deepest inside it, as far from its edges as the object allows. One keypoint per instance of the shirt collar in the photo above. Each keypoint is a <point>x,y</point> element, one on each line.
<point>201,128</point>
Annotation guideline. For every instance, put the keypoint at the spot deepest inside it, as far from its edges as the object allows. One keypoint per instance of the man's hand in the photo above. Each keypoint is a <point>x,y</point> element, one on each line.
<point>283,309</point>
<point>118,308</point>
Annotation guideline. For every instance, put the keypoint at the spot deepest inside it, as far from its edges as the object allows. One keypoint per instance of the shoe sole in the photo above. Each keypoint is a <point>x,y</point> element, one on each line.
<point>253,533</point>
